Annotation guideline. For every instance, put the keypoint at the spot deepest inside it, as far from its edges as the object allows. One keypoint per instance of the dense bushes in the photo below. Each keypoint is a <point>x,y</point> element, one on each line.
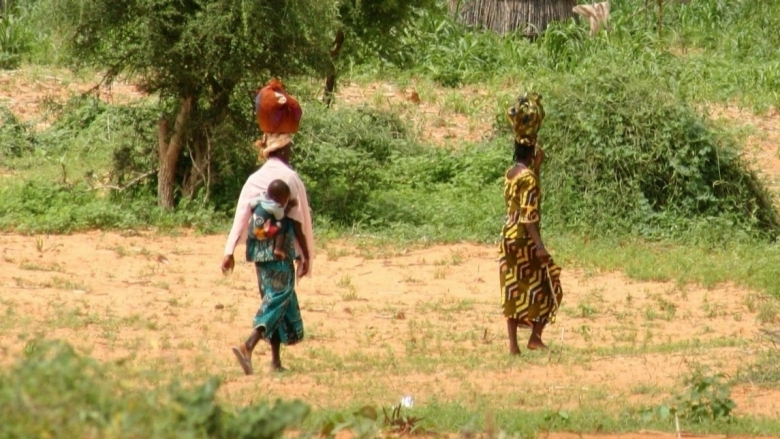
<point>627,156</point>
<point>623,158</point>
<point>55,392</point>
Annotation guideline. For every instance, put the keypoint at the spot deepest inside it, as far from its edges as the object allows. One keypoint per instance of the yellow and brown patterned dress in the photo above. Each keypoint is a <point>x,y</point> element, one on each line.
<point>525,288</point>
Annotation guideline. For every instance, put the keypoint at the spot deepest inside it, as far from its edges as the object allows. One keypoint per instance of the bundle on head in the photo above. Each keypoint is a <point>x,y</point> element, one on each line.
<point>526,117</point>
<point>277,112</point>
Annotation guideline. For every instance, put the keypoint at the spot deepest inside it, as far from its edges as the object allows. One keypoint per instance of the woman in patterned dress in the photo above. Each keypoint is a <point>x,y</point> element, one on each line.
<point>530,281</point>
<point>278,320</point>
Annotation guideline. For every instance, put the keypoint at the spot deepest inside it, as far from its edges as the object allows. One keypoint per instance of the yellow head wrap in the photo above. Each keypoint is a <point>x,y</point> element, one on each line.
<point>526,117</point>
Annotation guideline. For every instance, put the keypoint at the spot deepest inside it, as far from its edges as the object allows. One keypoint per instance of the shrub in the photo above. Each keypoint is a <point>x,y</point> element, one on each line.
<point>707,397</point>
<point>55,392</point>
<point>341,155</point>
<point>16,138</point>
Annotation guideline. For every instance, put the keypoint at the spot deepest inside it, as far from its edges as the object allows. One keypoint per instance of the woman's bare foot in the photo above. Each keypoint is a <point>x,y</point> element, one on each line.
<point>277,368</point>
<point>244,357</point>
<point>514,350</point>
<point>535,343</point>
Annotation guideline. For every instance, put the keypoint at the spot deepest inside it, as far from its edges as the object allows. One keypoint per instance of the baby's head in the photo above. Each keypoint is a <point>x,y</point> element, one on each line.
<point>279,192</point>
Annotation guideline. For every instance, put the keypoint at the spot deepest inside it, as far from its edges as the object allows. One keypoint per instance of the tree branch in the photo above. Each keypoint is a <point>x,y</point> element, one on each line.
<point>130,184</point>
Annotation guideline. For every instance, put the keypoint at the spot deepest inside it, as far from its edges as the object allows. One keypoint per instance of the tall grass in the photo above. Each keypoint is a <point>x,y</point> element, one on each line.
<point>27,34</point>
<point>709,50</point>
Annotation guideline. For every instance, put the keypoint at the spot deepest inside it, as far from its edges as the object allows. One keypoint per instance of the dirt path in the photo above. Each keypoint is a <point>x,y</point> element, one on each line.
<point>424,323</point>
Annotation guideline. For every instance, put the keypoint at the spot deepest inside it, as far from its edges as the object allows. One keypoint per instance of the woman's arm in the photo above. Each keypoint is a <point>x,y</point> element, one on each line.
<point>240,221</point>
<point>538,159</point>
<point>301,238</point>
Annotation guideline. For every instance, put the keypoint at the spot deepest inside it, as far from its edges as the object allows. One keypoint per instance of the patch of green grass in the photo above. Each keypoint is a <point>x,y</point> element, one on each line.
<point>764,371</point>
<point>55,282</point>
<point>41,266</point>
<point>67,284</point>
<point>492,419</point>
<point>71,318</point>
<point>768,312</point>
<point>752,265</point>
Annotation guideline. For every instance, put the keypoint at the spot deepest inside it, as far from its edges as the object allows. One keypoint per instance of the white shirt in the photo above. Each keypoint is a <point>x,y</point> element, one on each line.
<point>255,186</point>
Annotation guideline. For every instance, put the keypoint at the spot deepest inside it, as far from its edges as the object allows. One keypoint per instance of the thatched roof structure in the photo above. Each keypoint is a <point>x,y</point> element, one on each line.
<point>529,16</point>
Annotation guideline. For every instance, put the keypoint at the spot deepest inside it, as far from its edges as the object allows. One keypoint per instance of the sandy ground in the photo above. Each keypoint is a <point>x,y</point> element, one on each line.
<point>422,322</point>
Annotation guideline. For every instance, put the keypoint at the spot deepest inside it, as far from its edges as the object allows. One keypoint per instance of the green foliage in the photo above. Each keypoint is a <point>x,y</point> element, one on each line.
<point>628,154</point>
<point>373,28</point>
<point>39,206</point>
<point>453,55</point>
<point>203,55</point>
<point>765,371</point>
<point>66,187</point>
<point>16,37</point>
<point>16,139</point>
<point>707,50</point>
<point>707,397</point>
<point>513,422</point>
<point>55,392</point>
<point>362,423</point>
<point>26,33</point>
<point>341,155</point>
<point>622,160</point>
<point>172,46</point>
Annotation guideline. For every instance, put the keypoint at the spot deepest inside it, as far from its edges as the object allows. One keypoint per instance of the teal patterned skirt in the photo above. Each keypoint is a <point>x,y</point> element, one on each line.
<point>279,314</point>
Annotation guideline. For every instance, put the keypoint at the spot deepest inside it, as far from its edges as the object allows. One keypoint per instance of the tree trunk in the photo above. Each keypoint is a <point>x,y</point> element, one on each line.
<point>330,82</point>
<point>529,16</point>
<point>200,172</point>
<point>168,153</point>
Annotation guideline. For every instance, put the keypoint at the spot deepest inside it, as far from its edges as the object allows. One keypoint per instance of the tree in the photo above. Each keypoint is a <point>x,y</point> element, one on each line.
<point>201,56</point>
<point>529,16</point>
<point>198,56</point>
<point>371,25</point>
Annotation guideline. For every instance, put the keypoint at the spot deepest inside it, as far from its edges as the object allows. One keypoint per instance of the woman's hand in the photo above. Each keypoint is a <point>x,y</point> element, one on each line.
<point>290,204</point>
<point>227,264</point>
<point>538,159</point>
<point>303,267</point>
<point>542,255</point>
